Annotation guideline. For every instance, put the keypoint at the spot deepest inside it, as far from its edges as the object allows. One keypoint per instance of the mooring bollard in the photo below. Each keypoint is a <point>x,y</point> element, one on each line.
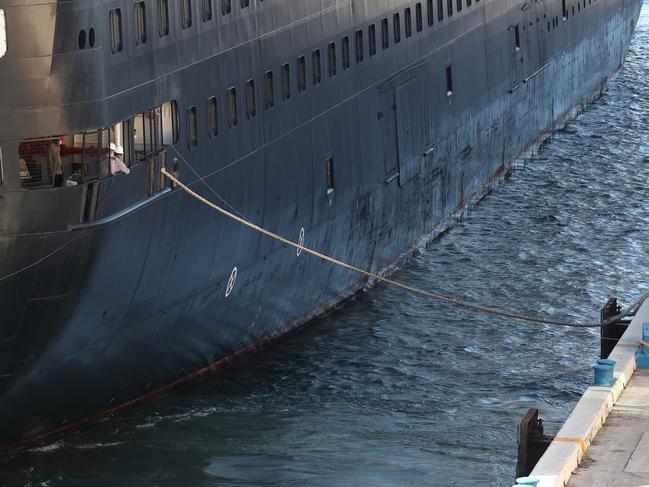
<point>603,375</point>
<point>527,481</point>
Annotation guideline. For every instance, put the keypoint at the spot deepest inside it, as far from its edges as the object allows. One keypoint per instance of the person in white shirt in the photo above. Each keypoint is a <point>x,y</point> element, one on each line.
<point>117,162</point>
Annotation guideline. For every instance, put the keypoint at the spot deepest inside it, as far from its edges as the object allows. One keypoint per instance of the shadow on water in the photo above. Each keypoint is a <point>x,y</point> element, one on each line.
<point>393,389</point>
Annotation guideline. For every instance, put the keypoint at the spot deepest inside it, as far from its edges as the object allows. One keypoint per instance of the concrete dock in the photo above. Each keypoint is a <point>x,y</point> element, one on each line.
<point>619,454</point>
<point>605,440</point>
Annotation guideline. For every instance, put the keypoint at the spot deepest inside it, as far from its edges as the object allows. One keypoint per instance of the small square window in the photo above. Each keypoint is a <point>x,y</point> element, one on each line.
<point>206,8</point>
<point>331,51</point>
<point>116,30</point>
<point>140,23</point>
<point>269,90</point>
<point>317,68</point>
<point>408,21</point>
<point>233,119</point>
<point>396,20</point>
<point>385,34</point>
<point>449,80</point>
<point>371,34</point>
<point>163,18</point>
<point>346,55</point>
<point>212,118</point>
<point>431,13</point>
<point>226,6</point>
<point>301,74</point>
<point>286,81</point>
<point>330,176</point>
<point>192,136</point>
<point>360,52</point>
<point>186,13</point>
<point>251,104</point>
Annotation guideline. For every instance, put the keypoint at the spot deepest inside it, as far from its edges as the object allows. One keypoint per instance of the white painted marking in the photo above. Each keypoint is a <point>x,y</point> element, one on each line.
<point>300,241</point>
<point>231,282</point>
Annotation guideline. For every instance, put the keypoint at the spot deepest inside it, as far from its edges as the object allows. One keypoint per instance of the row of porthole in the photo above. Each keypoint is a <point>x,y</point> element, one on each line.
<point>89,38</point>
<point>232,280</point>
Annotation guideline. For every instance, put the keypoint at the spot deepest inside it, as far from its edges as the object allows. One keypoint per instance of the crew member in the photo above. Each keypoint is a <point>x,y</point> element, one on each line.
<point>54,161</point>
<point>117,162</point>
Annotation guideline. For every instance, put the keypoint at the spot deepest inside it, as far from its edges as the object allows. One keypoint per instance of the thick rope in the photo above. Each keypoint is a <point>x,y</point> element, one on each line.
<point>379,278</point>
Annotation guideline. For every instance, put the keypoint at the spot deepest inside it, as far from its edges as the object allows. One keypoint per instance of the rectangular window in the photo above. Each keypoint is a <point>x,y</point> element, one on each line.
<point>408,20</point>
<point>359,46</point>
<point>385,34</point>
<point>317,68</point>
<point>212,118</point>
<point>449,80</point>
<point>301,74</point>
<point>233,119</point>
<point>226,6</point>
<point>517,38</point>
<point>116,30</point>
<point>192,137</point>
<point>251,102</point>
<point>331,52</point>
<point>468,3</point>
<point>206,10</point>
<point>170,123</point>
<point>269,90</point>
<point>140,23</point>
<point>440,10</point>
<point>346,55</point>
<point>563,9</point>
<point>396,21</point>
<point>431,13</point>
<point>449,7</point>
<point>163,18</point>
<point>419,18</point>
<point>286,81</point>
<point>459,5</point>
<point>186,13</point>
<point>371,34</point>
<point>330,175</point>
<point>245,3</point>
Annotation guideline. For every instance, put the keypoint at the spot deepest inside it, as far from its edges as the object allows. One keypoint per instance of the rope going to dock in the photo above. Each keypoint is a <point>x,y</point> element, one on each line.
<point>377,277</point>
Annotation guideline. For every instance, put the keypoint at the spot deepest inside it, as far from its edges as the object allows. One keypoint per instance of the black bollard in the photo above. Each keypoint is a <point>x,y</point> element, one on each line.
<point>611,333</point>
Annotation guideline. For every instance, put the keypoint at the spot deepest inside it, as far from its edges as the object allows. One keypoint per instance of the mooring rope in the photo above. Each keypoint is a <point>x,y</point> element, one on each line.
<point>376,277</point>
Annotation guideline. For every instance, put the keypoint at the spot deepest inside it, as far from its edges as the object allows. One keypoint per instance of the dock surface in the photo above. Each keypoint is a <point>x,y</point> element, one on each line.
<point>619,454</point>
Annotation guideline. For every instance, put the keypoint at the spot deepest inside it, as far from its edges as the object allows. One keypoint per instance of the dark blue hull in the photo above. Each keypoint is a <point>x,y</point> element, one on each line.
<point>120,306</point>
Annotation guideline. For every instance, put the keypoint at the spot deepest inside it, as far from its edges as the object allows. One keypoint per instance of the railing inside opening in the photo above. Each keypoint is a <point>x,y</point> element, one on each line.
<point>69,160</point>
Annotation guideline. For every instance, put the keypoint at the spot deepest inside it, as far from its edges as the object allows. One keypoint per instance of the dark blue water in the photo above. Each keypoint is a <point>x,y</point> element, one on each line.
<point>393,389</point>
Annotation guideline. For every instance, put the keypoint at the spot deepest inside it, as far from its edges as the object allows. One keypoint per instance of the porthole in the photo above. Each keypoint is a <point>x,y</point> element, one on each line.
<point>82,39</point>
<point>91,37</point>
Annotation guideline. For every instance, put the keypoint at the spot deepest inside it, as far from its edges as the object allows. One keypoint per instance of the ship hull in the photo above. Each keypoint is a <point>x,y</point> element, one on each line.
<point>137,301</point>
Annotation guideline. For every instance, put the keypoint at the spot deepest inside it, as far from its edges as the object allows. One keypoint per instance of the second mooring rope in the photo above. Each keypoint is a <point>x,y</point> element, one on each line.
<point>422,292</point>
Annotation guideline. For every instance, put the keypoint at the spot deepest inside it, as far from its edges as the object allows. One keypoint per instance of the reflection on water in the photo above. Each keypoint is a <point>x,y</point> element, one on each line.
<point>393,389</point>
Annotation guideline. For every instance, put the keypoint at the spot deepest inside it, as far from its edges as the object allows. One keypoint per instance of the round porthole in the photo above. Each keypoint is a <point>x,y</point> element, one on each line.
<point>82,39</point>
<point>91,37</point>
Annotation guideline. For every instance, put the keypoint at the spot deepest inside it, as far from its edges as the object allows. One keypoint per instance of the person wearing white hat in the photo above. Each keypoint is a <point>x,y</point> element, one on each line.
<point>117,162</point>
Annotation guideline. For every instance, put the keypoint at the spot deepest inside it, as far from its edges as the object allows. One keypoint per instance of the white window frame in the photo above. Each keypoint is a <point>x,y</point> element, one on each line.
<point>3,33</point>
